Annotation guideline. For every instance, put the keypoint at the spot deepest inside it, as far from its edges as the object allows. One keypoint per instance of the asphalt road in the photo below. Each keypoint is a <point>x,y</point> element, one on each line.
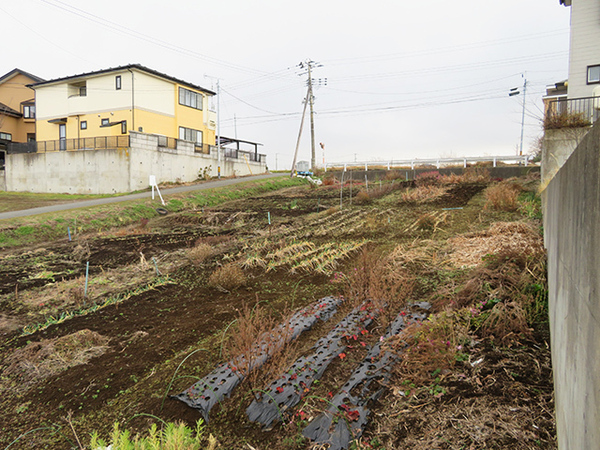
<point>123,198</point>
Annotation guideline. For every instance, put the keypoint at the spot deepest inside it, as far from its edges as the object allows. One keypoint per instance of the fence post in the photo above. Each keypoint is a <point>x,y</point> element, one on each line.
<point>494,161</point>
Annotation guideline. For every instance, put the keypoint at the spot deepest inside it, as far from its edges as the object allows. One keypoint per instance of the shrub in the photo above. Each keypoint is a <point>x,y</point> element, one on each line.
<point>428,179</point>
<point>227,277</point>
<point>363,198</point>
<point>503,197</point>
<point>565,119</point>
<point>423,194</point>
<point>329,180</point>
<point>200,253</point>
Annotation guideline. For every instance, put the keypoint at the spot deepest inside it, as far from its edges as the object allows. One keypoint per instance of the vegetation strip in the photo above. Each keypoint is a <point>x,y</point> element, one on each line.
<point>207,392</point>
<point>347,416</point>
<point>66,315</point>
<point>292,386</point>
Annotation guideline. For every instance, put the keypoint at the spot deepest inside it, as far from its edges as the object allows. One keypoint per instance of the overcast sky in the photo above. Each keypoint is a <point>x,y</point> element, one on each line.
<point>421,79</point>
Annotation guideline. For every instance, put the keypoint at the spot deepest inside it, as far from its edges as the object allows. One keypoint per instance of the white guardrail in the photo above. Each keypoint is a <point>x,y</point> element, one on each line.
<point>438,162</point>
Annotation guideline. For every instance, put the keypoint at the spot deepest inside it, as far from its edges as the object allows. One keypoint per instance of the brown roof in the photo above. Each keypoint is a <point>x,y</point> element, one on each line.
<point>120,69</point>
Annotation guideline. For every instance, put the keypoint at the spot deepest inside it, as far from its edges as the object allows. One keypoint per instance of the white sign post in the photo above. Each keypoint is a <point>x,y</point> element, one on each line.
<point>152,183</point>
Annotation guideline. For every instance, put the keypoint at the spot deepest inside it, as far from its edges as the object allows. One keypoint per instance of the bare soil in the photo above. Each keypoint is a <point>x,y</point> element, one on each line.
<point>505,401</point>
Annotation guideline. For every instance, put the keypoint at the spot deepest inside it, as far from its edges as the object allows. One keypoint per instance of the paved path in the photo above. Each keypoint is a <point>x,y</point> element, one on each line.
<point>124,198</point>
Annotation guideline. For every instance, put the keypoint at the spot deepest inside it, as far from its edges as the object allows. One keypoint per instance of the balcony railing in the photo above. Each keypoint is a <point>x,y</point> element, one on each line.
<point>241,154</point>
<point>572,113</point>
<point>93,143</point>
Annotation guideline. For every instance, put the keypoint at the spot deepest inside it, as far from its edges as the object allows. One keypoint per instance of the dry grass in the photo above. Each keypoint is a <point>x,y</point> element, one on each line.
<point>430,347</point>
<point>252,338</point>
<point>565,120</point>
<point>227,277</point>
<point>469,250</point>
<point>380,279</point>
<point>503,196</point>
<point>423,194</point>
<point>200,253</point>
<point>432,178</point>
<point>39,360</point>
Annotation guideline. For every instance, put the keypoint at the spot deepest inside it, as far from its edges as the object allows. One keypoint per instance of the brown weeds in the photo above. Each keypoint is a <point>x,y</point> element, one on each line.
<point>503,196</point>
<point>40,360</point>
<point>200,253</point>
<point>423,194</point>
<point>227,277</point>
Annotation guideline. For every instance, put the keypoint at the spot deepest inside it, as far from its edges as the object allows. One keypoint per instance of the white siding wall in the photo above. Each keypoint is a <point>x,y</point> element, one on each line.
<point>585,46</point>
<point>151,94</point>
<point>154,94</point>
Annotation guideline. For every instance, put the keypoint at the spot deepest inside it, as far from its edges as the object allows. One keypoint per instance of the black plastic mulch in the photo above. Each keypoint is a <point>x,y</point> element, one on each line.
<point>348,414</point>
<point>207,392</point>
<point>292,386</point>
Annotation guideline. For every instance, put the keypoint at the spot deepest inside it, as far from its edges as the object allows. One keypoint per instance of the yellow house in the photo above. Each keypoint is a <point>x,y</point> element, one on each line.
<point>114,101</point>
<point>17,106</point>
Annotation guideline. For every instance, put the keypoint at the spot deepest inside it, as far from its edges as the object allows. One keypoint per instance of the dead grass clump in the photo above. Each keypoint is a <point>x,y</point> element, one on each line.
<point>332,210</point>
<point>393,175</point>
<point>503,196</point>
<point>75,294</point>
<point>200,253</point>
<point>506,322</point>
<point>432,178</point>
<point>363,198</point>
<point>329,180</point>
<point>426,222</point>
<point>39,360</point>
<point>81,252</point>
<point>476,175</point>
<point>423,194</point>
<point>214,240</point>
<point>469,250</point>
<point>252,339</point>
<point>227,277</point>
<point>378,278</point>
<point>565,119</point>
<point>430,348</point>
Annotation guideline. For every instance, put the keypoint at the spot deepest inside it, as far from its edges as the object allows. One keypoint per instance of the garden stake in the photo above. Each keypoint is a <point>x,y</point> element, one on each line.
<point>319,205</point>
<point>156,266</point>
<point>341,190</point>
<point>87,271</point>
<point>69,233</point>
<point>351,177</point>
<point>366,182</point>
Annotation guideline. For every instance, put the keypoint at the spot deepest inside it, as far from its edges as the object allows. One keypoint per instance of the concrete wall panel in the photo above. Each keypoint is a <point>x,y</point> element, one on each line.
<point>572,236</point>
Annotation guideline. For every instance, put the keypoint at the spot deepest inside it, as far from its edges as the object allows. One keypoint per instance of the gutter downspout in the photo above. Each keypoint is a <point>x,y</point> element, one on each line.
<point>132,100</point>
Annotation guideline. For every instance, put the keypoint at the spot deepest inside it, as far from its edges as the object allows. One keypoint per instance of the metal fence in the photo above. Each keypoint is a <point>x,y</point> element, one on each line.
<point>583,111</point>
<point>93,143</point>
<point>428,163</point>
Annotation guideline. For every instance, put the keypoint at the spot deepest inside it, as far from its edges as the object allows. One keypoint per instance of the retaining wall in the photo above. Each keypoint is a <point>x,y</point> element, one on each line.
<point>116,171</point>
<point>572,237</point>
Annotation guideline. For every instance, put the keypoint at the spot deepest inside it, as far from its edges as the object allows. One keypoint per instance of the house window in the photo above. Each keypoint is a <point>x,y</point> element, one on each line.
<point>188,134</point>
<point>190,98</point>
<point>83,125</point>
<point>30,137</point>
<point>78,89</point>
<point>6,136</point>
<point>29,112</point>
<point>118,82</point>
<point>104,123</point>
<point>593,74</point>
<point>124,127</point>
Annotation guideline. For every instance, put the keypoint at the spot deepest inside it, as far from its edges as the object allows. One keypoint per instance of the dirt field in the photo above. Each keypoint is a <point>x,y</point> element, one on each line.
<point>153,301</point>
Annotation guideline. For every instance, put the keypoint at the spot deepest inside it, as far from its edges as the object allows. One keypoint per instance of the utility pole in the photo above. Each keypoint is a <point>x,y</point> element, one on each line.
<point>299,135</point>
<point>311,100</point>
<point>309,65</point>
<point>523,114</point>
<point>512,93</point>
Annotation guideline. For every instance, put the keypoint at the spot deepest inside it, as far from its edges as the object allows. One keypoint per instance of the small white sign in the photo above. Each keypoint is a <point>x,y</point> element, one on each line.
<point>152,180</point>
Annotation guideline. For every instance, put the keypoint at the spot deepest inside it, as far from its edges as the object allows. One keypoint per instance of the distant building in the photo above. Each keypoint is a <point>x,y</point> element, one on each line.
<point>114,101</point>
<point>584,53</point>
<point>17,107</point>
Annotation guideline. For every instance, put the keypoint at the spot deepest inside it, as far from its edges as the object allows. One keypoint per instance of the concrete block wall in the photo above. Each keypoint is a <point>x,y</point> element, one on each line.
<point>76,172</point>
<point>572,237</point>
<point>558,146</point>
<point>116,171</point>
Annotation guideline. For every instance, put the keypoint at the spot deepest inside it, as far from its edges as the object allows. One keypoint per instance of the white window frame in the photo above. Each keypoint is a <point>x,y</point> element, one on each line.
<point>190,98</point>
<point>596,78</point>
<point>190,135</point>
